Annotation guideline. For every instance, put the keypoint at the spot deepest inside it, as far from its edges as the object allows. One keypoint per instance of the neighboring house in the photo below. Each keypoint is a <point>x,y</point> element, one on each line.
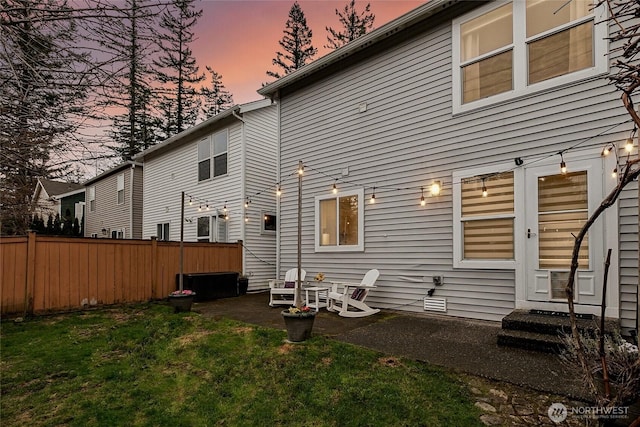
<point>51,198</point>
<point>470,96</point>
<point>114,203</point>
<point>220,164</point>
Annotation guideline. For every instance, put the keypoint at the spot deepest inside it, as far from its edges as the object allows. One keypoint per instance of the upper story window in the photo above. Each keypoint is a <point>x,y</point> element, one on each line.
<point>220,148</point>
<point>339,222</point>
<point>484,220</point>
<point>212,154</point>
<point>92,198</point>
<point>120,188</point>
<point>520,47</point>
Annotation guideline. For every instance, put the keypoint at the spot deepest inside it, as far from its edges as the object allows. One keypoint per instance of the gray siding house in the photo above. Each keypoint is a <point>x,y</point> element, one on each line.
<point>114,203</point>
<point>226,166</point>
<point>456,119</point>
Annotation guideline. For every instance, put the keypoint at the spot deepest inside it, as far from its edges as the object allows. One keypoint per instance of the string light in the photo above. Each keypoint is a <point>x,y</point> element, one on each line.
<point>224,209</point>
<point>246,218</point>
<point>226,217</point>
<point>372,200</point>
<point>422,201</point>
<point>200,208</point>
<point>301,169</point>
<point>629,144</point>
<point>563,165</point>
<point>484,189</point>
<point>435,188</point>
<point>190,200</point>
<point>335,189</point>
<point>246,202</point>
<point>607,149</point>
<point>614,174</point>
<point>278,191</point>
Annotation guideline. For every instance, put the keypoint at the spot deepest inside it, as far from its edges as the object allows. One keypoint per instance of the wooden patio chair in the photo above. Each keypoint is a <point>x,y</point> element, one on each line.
<point>350,302</point>
<point>282,291</point>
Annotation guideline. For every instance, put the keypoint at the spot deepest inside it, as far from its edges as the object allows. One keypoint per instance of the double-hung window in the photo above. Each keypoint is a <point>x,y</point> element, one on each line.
<point>339,222</point>
<point>220,148</point>
<point>484,224</point>
<point>520,47</point>
<point>204,159</point>
<point>120,189</point>
<point>92,198</point>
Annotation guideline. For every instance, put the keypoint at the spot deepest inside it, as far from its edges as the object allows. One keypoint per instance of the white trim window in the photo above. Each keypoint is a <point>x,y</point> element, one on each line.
<point>92,198</point>
<point>120,188</point>
<point>118,234</point>
<point>163,231</point>
<point>339,222</point>
<point>484,220</point>
<point>517,48</point>
<point>220,149</point>
<point>269,223</point>
<point>212,229</point>
<point>204,159</point>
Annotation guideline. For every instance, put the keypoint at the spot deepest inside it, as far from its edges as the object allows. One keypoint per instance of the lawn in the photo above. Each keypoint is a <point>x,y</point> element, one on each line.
<point>147,366</point>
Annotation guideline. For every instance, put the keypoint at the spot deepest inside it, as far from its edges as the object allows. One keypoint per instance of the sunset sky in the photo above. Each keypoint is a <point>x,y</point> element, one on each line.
<point>239,38</point>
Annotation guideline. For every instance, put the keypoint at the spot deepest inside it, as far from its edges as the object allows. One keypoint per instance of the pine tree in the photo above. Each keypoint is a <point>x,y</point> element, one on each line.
<point>296,44</point>
<point>216,98</point>
<point>354,25</point>
<point>177,68</point>
<point>43,94</point>
<point>129,37</point>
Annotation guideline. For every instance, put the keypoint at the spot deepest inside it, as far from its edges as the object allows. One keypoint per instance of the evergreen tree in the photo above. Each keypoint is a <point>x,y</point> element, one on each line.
<point>216,98</point>
<point>49,228</point>
<point>296,44</point>
<point>129,38</point>
<point>56,230</point>
<point>354,25</point>
<point>43,94</point>
<point>75,231</point>
<point>177,68</point>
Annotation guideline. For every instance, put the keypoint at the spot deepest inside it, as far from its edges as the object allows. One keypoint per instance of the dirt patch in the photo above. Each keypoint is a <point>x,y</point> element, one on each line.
<point>390,362</point>
<point>193,337</point>
<point>285,349</point>
<point>327,361</point>
<point>242,330</point>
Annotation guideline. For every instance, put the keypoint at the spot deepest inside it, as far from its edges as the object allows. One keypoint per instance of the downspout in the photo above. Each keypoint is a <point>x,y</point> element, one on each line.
<point>278,175</point>
<point>243,183</point>
<point>131,201</point>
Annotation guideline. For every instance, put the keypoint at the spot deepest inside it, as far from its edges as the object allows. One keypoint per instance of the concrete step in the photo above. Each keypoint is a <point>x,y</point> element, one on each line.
<point>543,331</point>
<point>530,341</point>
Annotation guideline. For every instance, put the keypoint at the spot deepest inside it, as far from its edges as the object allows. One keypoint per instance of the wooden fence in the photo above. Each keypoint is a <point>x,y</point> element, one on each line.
<point>43,274</point>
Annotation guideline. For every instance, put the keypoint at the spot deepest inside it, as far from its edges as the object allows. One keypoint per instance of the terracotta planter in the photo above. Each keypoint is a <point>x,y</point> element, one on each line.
<point>181,303</point>
<point>299,325</point>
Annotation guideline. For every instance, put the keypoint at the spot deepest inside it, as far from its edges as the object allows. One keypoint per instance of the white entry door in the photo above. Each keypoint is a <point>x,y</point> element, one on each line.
<point>558,205</point>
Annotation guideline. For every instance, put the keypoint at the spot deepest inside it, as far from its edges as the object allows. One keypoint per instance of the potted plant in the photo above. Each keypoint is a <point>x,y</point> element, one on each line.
<point>299,323</point>
<point>181,300</point>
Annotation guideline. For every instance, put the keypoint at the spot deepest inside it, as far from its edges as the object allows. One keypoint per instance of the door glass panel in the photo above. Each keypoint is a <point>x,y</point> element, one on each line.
<point>562,211</point>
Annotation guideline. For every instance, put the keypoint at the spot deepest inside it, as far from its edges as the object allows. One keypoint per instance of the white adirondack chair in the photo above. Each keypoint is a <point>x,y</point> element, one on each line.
<point>350,302</point>
<point>283,291</point>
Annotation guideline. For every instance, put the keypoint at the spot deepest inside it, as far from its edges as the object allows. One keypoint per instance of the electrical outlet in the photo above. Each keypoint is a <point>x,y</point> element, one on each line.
<point>438,280</point>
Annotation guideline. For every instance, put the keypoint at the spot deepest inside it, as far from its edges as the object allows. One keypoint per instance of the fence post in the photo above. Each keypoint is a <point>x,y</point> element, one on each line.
<point>154,266</point>
<point>30,280</point>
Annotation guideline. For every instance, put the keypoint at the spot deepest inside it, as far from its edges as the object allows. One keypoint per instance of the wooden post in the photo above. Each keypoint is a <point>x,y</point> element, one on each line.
<point>298,294</point>
<point>154,266</point>
<point>29,284</point>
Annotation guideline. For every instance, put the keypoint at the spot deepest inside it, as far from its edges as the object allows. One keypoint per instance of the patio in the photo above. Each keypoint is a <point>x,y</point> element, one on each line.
<point>463,345</point>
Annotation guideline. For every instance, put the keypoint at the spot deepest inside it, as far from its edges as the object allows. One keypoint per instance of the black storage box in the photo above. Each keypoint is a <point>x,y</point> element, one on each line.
<point>208,286</point>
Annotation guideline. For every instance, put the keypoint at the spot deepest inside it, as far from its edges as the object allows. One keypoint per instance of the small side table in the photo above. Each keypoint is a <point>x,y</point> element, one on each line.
<point>319,293</point>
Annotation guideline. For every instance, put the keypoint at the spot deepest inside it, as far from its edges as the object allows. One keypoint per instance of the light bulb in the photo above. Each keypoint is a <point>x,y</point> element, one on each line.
<point>563,167</point>
<point>614,174</point>
<point>435,188</point>
<point>246,218</point>
<point>279,191</point>
<point>628,146</point>
<point>335,189</point>
<point>224,209</point>
<point>200,208</point>
<point>301,170</point>
<point>485,193</point>
<point>422,201</point>
<point>190,201</point>
<point>372,200</point>
<point>606,151</point>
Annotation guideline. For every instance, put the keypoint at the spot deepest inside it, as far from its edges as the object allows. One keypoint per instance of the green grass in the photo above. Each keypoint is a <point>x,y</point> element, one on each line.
<point>147,366</point>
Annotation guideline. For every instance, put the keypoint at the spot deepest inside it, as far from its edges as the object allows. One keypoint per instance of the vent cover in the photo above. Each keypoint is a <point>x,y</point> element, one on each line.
<point>435,304</point>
